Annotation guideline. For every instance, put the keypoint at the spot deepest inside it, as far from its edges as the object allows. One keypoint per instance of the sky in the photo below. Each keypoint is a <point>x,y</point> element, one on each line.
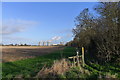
<point>31,22</point>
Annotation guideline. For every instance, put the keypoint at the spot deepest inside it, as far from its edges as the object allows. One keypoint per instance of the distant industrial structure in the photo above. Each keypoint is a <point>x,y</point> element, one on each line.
<point>48,43</point>
<point>41,43</point>
<point>44,43</point>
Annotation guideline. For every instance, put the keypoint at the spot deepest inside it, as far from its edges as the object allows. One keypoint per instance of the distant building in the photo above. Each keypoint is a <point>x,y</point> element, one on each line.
<point>44,43</point>
<point>61,43</point>
<point>48,43</point>
<point>54,44</point>
<point>39,44</point>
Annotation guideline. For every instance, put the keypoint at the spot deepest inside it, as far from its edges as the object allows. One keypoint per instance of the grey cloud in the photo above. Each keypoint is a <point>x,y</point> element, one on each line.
<point>13,26</point>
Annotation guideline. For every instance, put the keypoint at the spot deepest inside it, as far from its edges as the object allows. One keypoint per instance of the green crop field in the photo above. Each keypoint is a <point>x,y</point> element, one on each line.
<point>30,67</point>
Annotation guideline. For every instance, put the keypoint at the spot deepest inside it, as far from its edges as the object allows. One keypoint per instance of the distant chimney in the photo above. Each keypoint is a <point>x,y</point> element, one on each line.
<point>48,43</point>
<point>44,43</point>
<point>39,44</point>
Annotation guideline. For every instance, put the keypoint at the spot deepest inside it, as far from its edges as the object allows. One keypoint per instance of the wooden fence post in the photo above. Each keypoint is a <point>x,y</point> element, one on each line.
<point>77,56</point>
<point>74,61</point>
<point>83,53</point>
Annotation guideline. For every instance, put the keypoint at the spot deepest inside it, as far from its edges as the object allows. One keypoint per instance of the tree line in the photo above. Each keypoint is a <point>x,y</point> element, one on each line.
<point>14,44</point>
<point>100,35</point>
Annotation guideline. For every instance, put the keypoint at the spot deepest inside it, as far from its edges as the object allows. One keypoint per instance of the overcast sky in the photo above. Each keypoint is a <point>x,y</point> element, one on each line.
<point>31,22</point>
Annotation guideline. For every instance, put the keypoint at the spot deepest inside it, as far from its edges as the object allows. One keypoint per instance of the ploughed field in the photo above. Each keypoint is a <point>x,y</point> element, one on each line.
<point>13,53</point>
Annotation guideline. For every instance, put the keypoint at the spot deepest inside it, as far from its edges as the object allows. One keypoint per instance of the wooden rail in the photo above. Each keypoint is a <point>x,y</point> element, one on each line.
<point>78,59</point>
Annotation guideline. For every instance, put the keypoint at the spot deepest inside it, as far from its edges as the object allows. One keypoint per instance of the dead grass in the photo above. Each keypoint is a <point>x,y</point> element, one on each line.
<point>58,68</point>
<point>13,53</point>
<point>61,67</point>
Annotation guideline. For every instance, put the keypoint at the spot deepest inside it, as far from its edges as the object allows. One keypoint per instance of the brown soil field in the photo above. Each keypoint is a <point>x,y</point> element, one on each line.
<point>13,53</point>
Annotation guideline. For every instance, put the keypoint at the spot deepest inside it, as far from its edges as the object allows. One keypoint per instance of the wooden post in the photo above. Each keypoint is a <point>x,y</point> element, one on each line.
<point>74,61</point>
<point>77,56</point>
<point>83,61</point>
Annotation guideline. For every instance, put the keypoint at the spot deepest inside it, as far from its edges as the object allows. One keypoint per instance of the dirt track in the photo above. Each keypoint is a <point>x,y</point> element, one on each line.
<point>13,53</point>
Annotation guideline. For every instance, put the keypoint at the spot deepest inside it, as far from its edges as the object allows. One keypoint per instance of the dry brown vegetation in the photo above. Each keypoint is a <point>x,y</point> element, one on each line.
<point>58,68</point>
<point>13,53</point>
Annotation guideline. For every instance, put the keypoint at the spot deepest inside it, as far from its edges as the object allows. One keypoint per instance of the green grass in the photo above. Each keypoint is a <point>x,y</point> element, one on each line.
<point>95,71</point>
<point>30,67</point>
<point>103,69</point>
